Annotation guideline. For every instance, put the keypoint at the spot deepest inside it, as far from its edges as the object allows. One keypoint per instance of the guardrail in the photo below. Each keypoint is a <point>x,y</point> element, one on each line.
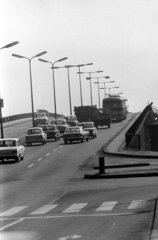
<point>132,136</point>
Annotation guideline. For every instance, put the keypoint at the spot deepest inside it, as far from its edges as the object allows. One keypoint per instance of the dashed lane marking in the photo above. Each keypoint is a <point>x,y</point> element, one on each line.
<point>76,207</point>
<point>60,146</point>
<point>39,159</point>
<point>44,209</point>
<point>47,154</point>
<point>12,211</point>
<point>106,206</point>
<point>31,165</point>
<point>137,204</point>
<point>54,150</point>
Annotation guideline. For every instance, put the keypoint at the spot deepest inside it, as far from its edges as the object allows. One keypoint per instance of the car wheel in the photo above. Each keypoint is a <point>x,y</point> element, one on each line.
<point>17,159</point>
<point>56,139</point>
<point>82,140</point>
<point>93,136</point>
<point>70,141</point>
<point>65,141</point>
<point>87,139</point>
<point>2,160</point>
<point>45,141</point>
<point>22,158</point>
<point>28,144</point>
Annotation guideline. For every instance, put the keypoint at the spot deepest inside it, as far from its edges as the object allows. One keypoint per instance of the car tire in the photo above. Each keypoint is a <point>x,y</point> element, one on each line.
<point>82,140</point>
<point>93,136</point>
<point>87,139</point>
<point>65,141</point>
<point>22,158</point>
<point>17,159</point>
<point>28,144</point>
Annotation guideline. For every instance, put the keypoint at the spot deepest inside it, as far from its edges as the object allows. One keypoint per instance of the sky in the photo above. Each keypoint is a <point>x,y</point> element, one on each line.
<point>120,37</point>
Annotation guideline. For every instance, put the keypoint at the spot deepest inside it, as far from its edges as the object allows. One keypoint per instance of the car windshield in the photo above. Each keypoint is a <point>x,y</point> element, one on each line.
<point>70,118</point>
<point>72,130</point>
<point>7,143</point>
<point>47,128</point>
<point>34,131</point>
<point>58,122</point>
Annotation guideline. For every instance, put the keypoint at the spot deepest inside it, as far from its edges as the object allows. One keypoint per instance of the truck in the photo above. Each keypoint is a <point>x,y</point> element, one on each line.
<point>93,114</point>
<point>41,117</point>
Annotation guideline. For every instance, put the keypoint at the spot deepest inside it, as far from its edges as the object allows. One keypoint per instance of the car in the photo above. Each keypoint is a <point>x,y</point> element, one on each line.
<point>71,120</point>
<point>36,135</point>
<point>11,148</point>
<point>52,131</point>
<point>75,134</point>
<point>61,124</point>
<point>89,126</point>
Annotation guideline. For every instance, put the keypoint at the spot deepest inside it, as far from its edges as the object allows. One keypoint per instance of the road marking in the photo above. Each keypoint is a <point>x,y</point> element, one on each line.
<point>70,237</point>
<point>12,211</point>
<point>47,154</point>
<point>106,206</point>
<point>11,224</point>
<point>54,150</point>
<point>76,207</point>
<point>60,146</point>
<point>137,204</point>
<point>31,165</point>
<point>39,159</point>
<point>44,209</point>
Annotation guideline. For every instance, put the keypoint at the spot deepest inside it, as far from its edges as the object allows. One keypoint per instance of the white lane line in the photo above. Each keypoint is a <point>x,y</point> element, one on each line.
<point>39,159</point>
<point>44,209</point>
<point>31,165</point>
<point>12,211</point>
<point>60,146</point>
<point>11,224</point>
<point>54,150</point>
<point>47,154</point>
<point>137,204</point>
<point>106,206</point>
<point>76,207</point>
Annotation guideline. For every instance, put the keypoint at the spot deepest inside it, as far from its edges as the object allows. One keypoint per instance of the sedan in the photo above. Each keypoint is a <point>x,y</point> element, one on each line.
<point>89,126</point>
<point>11,148</point>
<point>75,134</point>
<point>36,135</point>
<point>61,124</point>
<point>52,131</point>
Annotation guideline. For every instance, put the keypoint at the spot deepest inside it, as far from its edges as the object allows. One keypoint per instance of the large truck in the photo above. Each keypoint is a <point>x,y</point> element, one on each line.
<point>92,114</point>
<point>41,117</point>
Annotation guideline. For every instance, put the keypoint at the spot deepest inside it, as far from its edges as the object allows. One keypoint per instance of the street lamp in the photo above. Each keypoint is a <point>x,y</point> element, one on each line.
<point>81,65</point>
<point>29,59</point>
<point>1,100</point>
<point>91,82</point>
<point>104,85</point>
<point>60,60</point>
<point>98,86</point>
<point>110,91</point>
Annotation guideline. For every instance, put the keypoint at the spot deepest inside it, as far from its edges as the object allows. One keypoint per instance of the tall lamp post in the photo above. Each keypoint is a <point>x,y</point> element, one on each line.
<point>89,78</point>
<point>29,59</point>
<point>98,86</point>
<point>60,60</point>
<point>79,72</point>
<point>105,86</point>
<point>1,100</point>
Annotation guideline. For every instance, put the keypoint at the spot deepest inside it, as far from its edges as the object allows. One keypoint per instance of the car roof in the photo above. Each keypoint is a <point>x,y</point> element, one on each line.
<point>43,125</point>
<point>14,139</point>
<point>35,128</point>
<point>85,122</point>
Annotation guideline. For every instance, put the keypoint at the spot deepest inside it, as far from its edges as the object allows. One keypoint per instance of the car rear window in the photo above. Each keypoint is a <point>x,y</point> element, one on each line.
<point>34,131</point>
<point>88,125</point>
<point>58,122</point>
<point>72,130</point>
<point>7,143</point>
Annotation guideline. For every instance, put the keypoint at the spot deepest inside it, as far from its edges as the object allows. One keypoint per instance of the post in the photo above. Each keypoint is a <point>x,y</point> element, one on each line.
<point>69,91</point>
<point>1,120</point>
<point>31,93</point>
<point>91,89</point>
<point>54,92</point>
<point>101,165</point>
<point>80,86</point>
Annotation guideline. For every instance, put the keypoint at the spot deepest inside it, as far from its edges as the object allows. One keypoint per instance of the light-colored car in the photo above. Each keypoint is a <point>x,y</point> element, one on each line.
<point>75,134</point>
<point>52,131</point>
<point>89,126</point>
<point>11,148</point>
<point>36,135</point>
<point>61,124</point>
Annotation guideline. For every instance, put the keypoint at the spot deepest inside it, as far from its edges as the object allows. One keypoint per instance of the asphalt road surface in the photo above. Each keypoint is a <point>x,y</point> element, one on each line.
<point>45,196</point>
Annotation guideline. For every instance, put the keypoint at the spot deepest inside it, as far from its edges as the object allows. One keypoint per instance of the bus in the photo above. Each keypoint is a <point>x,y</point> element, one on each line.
<point>117,106</point>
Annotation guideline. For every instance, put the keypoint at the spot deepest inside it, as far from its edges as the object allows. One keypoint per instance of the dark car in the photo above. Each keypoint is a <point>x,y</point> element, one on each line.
<point>52,131</point>
<point>75,134</point>
<point>61,124</point>
<point>71,121</point>
<point>89,126</point>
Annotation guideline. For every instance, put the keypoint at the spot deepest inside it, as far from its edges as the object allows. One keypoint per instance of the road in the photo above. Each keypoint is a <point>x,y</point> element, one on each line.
<point>45,196</point>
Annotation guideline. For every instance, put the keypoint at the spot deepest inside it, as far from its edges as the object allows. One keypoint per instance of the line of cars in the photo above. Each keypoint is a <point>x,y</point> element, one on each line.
<point>72,130</point>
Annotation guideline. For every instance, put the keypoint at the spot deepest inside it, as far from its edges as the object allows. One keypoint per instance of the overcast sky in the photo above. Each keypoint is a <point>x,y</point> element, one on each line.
<point>119,36</point>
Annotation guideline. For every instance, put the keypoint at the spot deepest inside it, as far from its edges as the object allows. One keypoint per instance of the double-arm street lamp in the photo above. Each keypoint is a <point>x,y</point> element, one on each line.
<point>29,59</point>
<point>110,90</point>
<point>1,100</point>
<point>52,63</point>
<point>89,78</point>
<point>104,86</point>
<point>79,72</point>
